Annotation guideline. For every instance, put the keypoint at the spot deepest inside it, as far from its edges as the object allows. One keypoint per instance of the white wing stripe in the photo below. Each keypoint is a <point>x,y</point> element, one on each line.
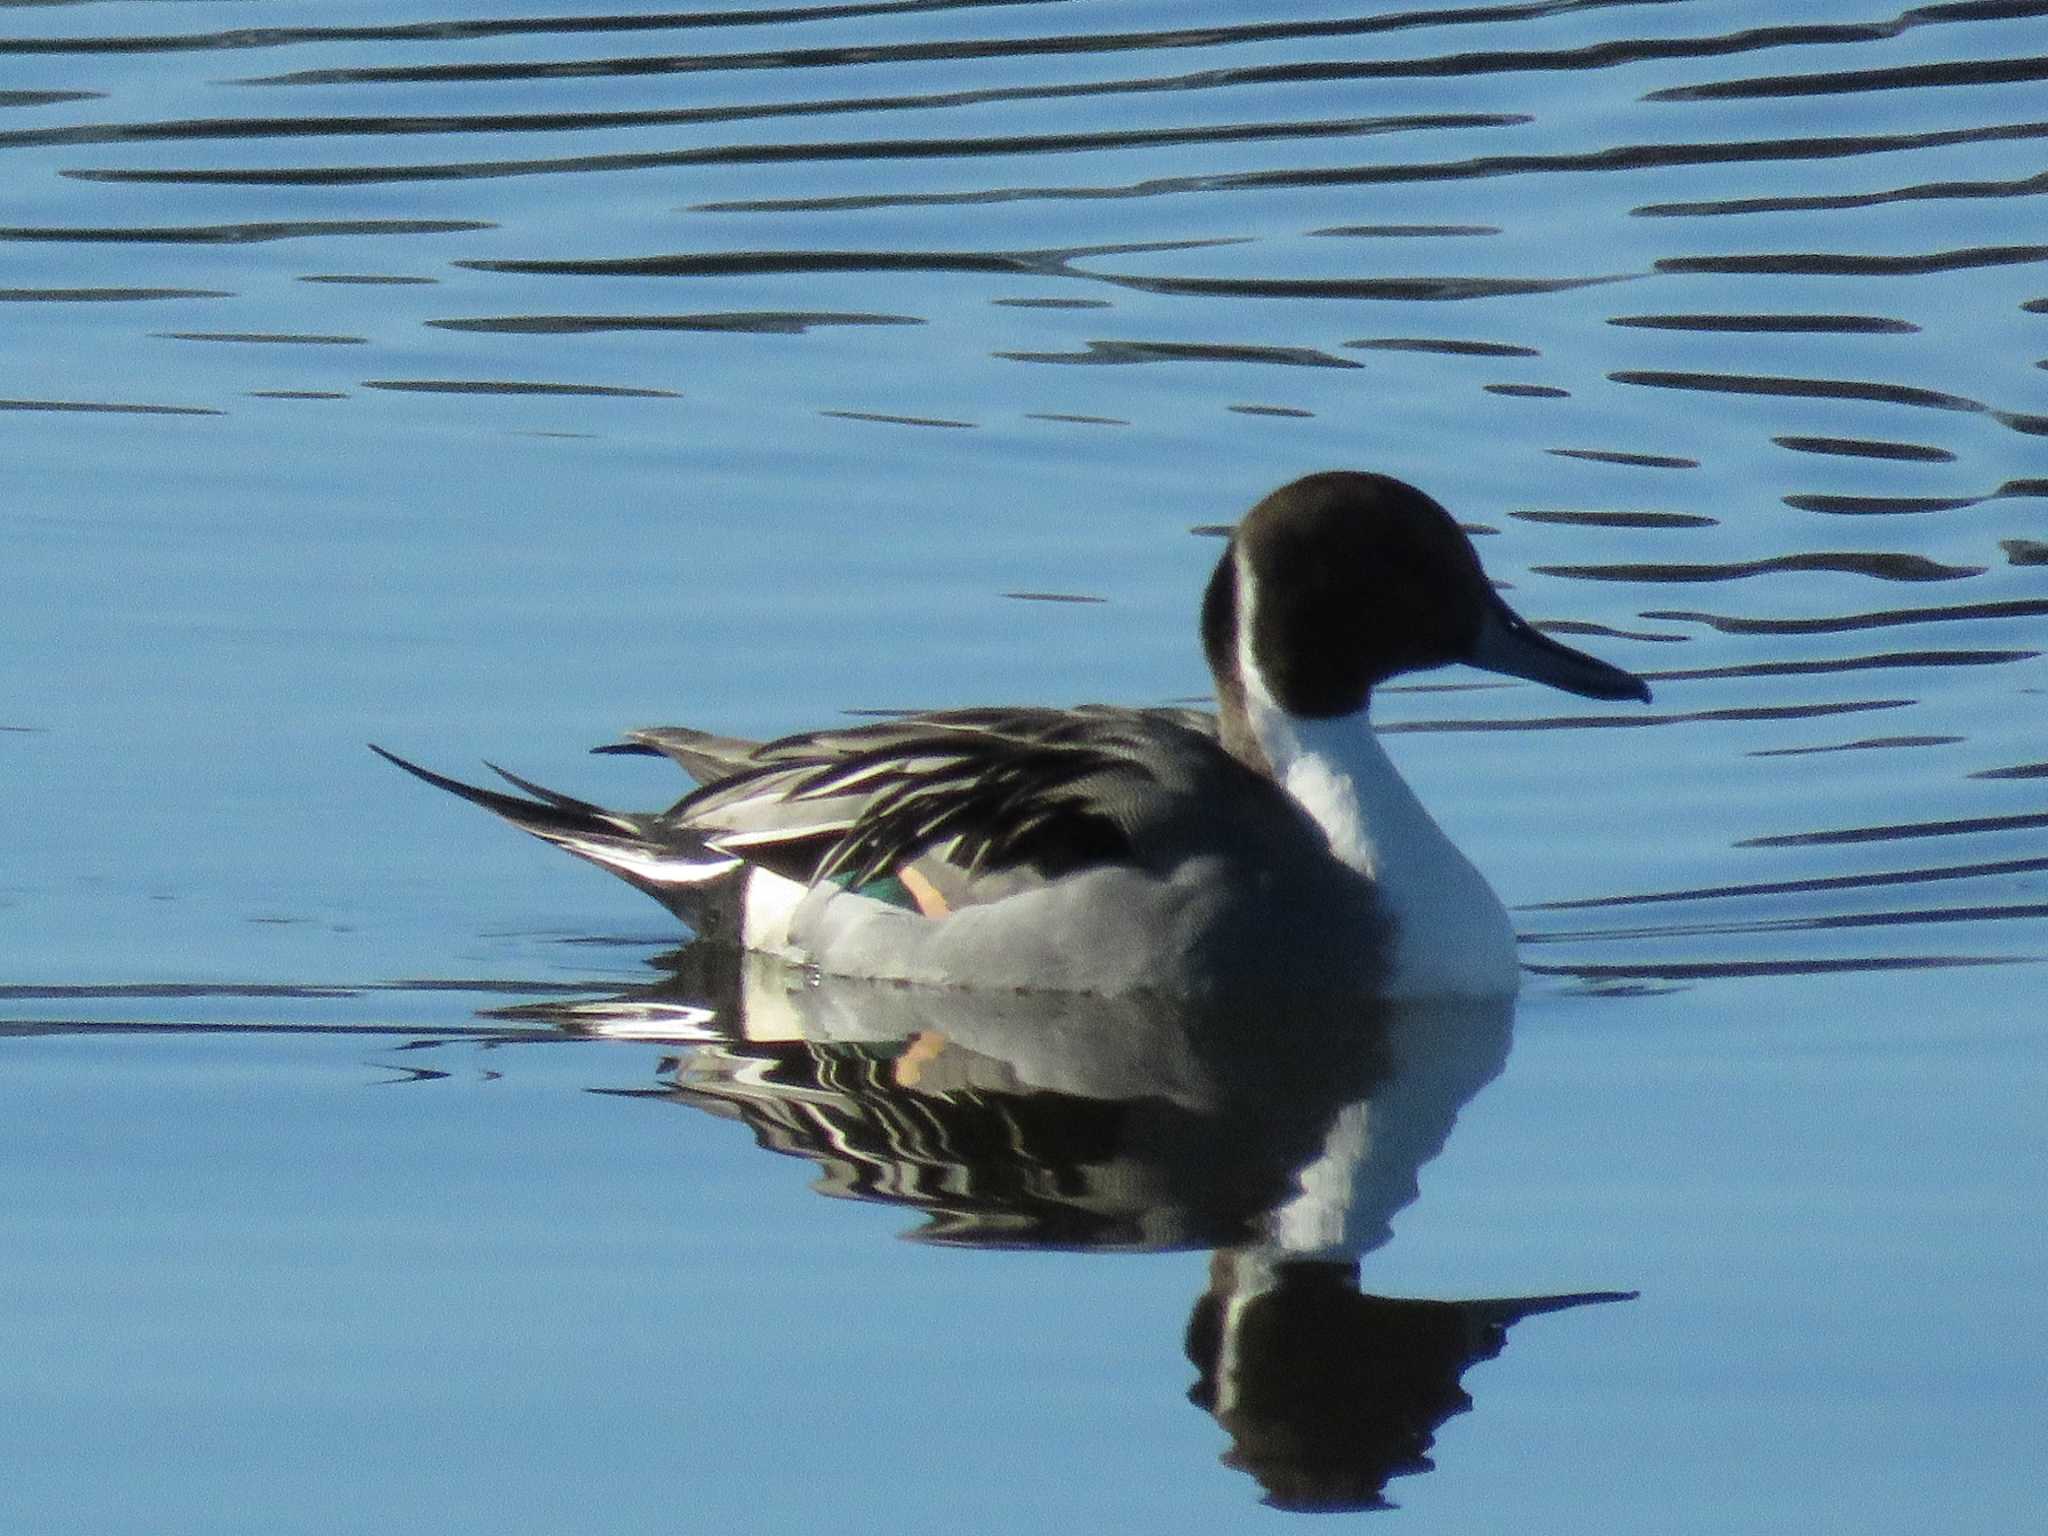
<point>649,864</point>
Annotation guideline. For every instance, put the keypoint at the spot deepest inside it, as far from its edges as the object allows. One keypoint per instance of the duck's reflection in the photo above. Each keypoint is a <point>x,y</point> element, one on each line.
<point>1284,1139</point>
<point>1328,1393</point>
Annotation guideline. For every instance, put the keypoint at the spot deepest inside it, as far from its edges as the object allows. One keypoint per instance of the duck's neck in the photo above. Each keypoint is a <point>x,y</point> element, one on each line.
<point>1342,777</point>
<point>1234,725</point>
<point>1452,936</point>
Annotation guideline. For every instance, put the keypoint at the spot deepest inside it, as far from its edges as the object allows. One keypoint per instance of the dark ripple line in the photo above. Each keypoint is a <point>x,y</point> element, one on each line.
<point>1862,744</point>
<point>1795,325</point>
<point>1423,290</point>
<point>1880,567</point>
<point>1731,970</point>
<point>1418,231</point>
<point>517,387</point>
<point>1810,885</point>
<point>174,989</point>
<point>1819,923</point>
<point>1881,661</point>
<point>1878,506</point>
<point>1637,722</point>
<point>1442,346</point>
<point>110,408</point>
<point>746,322</point>
<point>1043,263</point>
<point>1811,389</point>
<point>493,1032</point>
<point>106,295</point>
<point>274,338</point>
<point>887,419</point>
<point>2016,608</point>
<point>1927,191</point>
<point>1961,826</point>
<point>1129,352</point>
<point>240,234</point>
<point>1599,631</point>
<point>1634,461</point>
<point>1828,264</point>
<point>369,279</point>
<point>1898,77</point>
<point>24,991</point>
<point>1603,55</point>
<point>46,98</point>
<point>1615,519</point>
<point>1867,448</point>
<point>784,263</point>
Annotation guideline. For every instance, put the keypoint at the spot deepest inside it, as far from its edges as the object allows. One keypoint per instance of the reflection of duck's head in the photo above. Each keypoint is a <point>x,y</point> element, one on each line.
<point>1328,1394</point>
<point>1116,851</point>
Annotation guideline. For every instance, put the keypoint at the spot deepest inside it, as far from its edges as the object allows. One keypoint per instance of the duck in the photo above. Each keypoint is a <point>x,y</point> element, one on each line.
<point>1264,849</point>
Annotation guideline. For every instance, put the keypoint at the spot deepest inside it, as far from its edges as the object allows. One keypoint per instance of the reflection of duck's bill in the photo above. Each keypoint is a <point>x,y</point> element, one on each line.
<point>1508,643</point>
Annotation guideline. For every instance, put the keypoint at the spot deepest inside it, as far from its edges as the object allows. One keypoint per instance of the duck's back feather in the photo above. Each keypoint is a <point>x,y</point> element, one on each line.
<point>963,795</point>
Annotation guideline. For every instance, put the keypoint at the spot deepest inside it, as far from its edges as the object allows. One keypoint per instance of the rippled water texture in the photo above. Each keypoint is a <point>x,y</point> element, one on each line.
<point>484,384</point>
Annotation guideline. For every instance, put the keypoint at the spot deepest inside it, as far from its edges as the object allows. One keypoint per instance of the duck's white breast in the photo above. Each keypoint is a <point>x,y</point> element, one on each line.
<point>1452,937</point>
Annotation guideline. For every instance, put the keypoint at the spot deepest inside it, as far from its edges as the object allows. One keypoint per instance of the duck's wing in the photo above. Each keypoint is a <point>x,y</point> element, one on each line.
<point>709,758</point>
<point>959,806</point>
<point>951,797</point>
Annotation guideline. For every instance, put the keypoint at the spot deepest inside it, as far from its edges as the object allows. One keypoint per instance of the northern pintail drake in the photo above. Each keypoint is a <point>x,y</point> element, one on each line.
<point>1269,847</point>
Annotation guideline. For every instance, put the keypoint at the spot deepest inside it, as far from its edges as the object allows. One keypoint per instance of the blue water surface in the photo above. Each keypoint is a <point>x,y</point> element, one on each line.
<point>483,381</point>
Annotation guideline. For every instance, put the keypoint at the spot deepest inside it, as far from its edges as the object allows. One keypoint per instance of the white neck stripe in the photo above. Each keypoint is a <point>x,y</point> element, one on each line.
<point>1451,934</point>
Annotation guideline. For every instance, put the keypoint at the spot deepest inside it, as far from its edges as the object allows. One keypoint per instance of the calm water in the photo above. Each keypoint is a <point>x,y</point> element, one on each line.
<point>482,382</point>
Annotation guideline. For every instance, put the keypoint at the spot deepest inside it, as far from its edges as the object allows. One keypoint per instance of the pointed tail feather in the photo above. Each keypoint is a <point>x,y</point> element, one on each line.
<point>676,868</point>
<point>547,815</point>
<point>552,797</point>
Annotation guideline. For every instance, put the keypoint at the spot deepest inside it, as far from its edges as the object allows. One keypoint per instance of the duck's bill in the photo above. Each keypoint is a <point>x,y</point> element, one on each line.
<point>1510,644</point>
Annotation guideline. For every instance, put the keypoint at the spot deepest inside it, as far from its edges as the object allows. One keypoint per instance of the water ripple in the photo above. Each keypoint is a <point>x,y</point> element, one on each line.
<point>1866,448</point>
<point>1773,325</point>
<point>742,322</point>
<point>1879,567</point>
<point>1843,82</point>
<point>252,233</point>
<point>1835,264</point>
<point>1796,388</point>
<point>1729,624</point>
